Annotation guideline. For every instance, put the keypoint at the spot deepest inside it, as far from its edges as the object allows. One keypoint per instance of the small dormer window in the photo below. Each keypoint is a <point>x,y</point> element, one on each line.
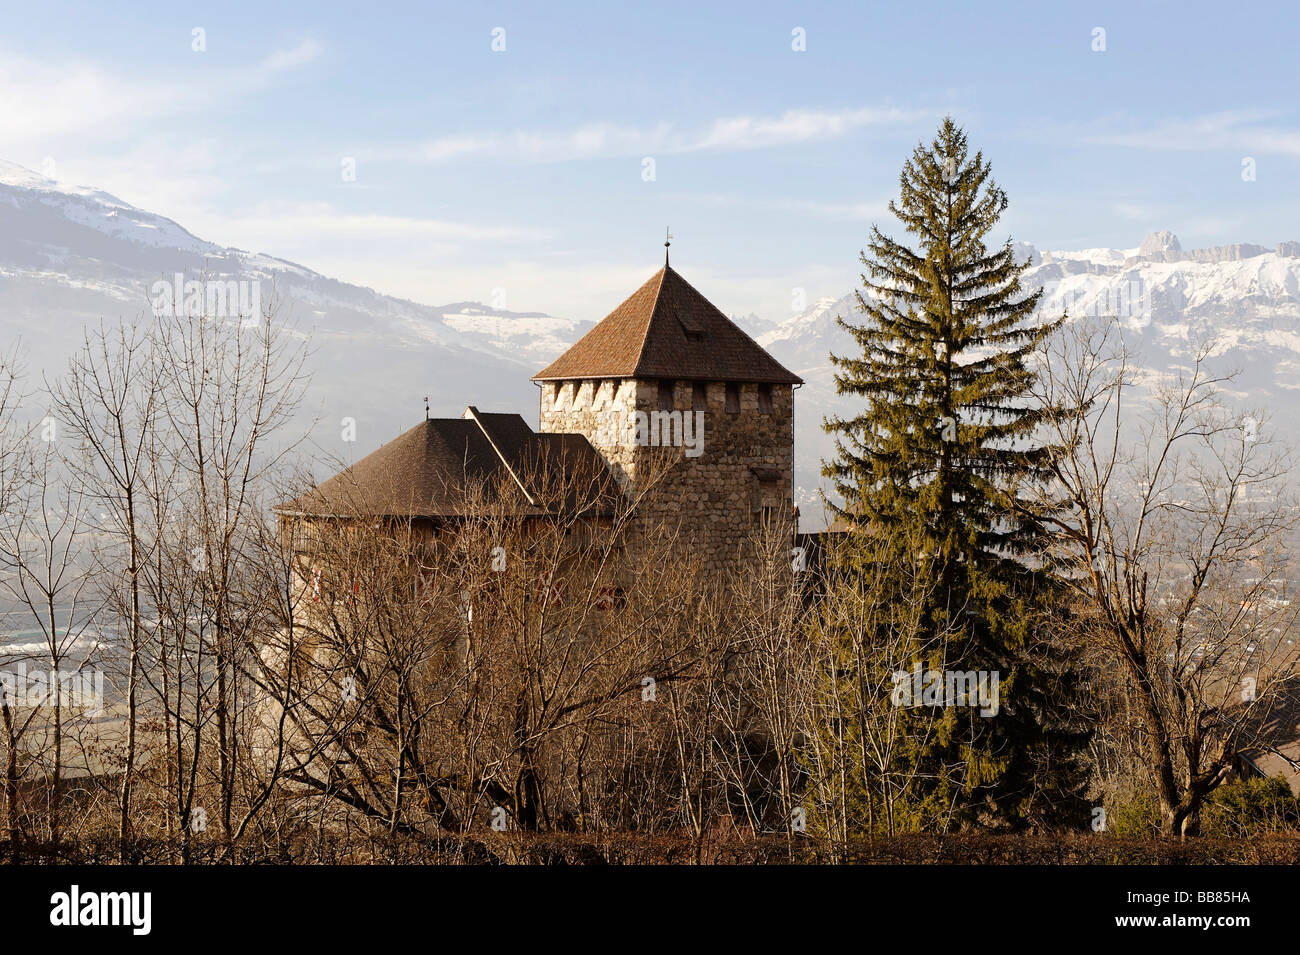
<point>733,398</point>
<point>691,328</point>
<point>764,399</point>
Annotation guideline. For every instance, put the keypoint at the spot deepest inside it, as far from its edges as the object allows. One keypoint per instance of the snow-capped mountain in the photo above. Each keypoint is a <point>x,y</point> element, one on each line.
<point>1246,297</point>
<point>71,256</point>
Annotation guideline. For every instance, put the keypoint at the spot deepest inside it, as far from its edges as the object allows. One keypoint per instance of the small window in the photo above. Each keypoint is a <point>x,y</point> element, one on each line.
<point>693,330</point>
<point>700,396</point>
<point>764,399</point>
<point>665,395</point>
<point>733,398</point>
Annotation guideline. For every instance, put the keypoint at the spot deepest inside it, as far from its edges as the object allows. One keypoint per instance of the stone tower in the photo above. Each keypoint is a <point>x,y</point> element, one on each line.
<point>668,369</point>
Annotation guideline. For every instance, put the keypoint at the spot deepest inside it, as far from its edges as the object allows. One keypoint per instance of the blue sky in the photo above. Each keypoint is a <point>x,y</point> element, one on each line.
<point>522,170</point>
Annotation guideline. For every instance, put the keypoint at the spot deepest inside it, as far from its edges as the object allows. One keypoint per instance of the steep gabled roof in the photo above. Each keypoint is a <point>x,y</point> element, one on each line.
<point>426,471</point>
<point>667,329</point>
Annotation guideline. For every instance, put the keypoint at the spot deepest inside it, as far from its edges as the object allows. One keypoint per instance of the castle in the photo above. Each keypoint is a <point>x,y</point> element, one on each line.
<point>666,372</point>
<point>666,394</point>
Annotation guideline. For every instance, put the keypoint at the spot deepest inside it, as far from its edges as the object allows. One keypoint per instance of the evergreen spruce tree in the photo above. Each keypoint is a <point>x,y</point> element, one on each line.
<point>945,445</point>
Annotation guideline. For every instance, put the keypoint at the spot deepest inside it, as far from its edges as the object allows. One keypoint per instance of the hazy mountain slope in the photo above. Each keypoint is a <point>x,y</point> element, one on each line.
<point>71,256</point>
<point>1246,297</point>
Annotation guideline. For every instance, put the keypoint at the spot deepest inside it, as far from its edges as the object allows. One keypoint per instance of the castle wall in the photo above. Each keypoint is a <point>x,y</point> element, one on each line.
<point>724,483</point>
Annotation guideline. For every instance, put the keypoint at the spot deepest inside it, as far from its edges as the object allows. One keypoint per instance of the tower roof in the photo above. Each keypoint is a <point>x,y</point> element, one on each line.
<point>666,329</point>
<point>426,471</point>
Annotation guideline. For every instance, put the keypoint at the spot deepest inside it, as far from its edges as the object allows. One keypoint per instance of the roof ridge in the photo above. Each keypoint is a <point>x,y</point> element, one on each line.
<point>474,416</point>
<point>424,470</point>
<point>654,307</point>
<point>636,341</point>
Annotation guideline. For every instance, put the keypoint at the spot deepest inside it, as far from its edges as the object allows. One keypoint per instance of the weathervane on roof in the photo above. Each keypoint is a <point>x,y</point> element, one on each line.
<point>668,240</point>
<point>426,407</point>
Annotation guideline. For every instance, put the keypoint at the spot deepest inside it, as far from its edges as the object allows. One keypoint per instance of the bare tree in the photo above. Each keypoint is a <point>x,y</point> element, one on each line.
<point>863,631</point>
<point>1175,542</point>
<point>230,386</point>
<point>489,667</point>
<point>107,402</point>
<point>44,550</point>
<point>13,476</point>
<point>763,686</point>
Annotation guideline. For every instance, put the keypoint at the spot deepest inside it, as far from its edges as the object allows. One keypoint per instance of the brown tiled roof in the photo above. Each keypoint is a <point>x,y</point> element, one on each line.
<point>425,472</point>
<point>1272,741</point>
<point>666,329</point>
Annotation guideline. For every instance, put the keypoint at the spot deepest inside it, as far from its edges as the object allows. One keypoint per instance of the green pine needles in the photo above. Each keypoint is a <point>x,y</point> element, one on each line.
<point>945,456</point>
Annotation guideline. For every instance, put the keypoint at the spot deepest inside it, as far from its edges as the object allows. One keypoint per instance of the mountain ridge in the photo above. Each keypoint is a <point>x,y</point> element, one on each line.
<point>71,255</point>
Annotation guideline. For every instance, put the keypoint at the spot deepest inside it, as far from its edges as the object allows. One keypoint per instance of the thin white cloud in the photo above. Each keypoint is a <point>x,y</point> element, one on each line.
<point>795,126</point>
<point>42,105</point>
<point>49,108</point>
<point>1248,131</point>
<point>804,208</point>
<point>426,260</point>
<point>282,60</point>
<point>587,290</point>
<point>276,224</point>
<point>589,141</point>
<point>111,131</point>
<point>454,146</point>
<point>602,140</point>
<point>1134,211</point>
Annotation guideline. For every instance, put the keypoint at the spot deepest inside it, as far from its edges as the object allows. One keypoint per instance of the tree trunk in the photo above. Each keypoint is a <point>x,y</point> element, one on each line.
<point>128,768</point>
<point>12,830</point>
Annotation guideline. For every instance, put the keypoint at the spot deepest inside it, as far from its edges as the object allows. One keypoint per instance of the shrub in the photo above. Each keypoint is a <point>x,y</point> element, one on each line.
<point>1249,807</point>
<point>1134,816</point>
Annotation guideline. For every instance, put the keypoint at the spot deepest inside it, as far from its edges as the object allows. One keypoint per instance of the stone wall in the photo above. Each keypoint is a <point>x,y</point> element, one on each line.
<point>723,483</point>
